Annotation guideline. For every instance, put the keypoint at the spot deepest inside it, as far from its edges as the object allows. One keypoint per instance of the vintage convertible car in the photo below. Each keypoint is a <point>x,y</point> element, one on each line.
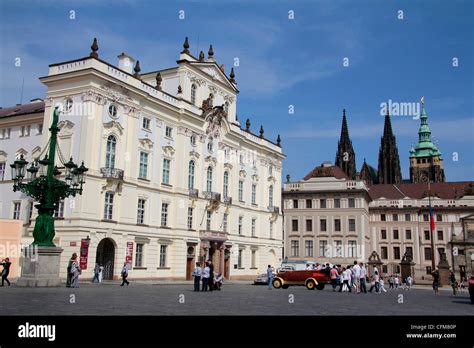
<point>310,278</point>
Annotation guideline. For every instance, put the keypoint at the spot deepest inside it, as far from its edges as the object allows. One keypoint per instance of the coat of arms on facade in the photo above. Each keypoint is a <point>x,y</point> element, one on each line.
<point>213,117</point>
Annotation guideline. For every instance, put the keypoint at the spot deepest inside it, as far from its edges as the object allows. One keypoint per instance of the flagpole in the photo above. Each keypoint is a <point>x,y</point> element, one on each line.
<point>431,229</point>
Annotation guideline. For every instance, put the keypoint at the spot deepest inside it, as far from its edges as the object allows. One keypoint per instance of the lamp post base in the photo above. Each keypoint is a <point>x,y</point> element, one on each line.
<point>40,267</point>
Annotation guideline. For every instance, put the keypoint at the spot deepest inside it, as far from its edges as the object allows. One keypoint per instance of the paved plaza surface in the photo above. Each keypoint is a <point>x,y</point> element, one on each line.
<point>237,298</point>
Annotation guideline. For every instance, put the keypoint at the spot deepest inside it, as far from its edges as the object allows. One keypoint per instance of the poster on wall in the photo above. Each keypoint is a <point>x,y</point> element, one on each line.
<point>84,253</point>
<point>129,253</point>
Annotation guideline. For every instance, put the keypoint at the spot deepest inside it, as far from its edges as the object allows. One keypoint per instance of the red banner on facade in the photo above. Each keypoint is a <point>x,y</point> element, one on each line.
<point>84,253</point>
<point>129,253</point>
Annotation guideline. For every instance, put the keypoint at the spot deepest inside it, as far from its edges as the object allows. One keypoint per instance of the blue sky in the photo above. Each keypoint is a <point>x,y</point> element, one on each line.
<point>283,62</point>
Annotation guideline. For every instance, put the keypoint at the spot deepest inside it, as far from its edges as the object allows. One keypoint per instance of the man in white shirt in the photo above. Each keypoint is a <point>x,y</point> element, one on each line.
<point>197,276</point>
<point>356,272</point>
<point>205,277</point>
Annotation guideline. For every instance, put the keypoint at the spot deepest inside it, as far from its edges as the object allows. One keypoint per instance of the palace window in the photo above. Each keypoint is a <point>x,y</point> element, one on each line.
<point>337,202</point>
<point>396,253</point>
<point>166,171</point>
<point>407,217</point>
<point>439,217</point>
<point>308,247</point>
<point>270,196</point>
<point>241,190</point>
<point>208,220</point>
<point>382,217</point>
<point>16,210</point>
<point>110,152</point>
<point>240,224</point>
<point>143,170</point>
<point>193,94</point>
<point>225,220</point>
<point>425,218</point>
<point>337,225</point>
<point>323,248</point>
<point>141,211</point>
<point>409,250</point>
<point>108,206</point>
<point>191,175</point>
<point>352,225</point>
<point>254,222</point>
<point>309,204</point>
<point>169,132</point>
<point>352,249</point>
<point>254,194</point>
<point>322,225</point>
<point>384,253</point>
<point>395,217</point>
<point>190,218</point>
<point>146,123</point>
<point>338,248</point>
<point>427,235</point>
<point>209,180</point>
<point>322,203</point>
<point>239,258</point>
<point>139,255</point>
<point>164,214</point>
<point>59,211</point>
<point>295,204</point>
<point>440,235</point>
<point>2,171</point>
<point>163,251</point>
<point>192,140</point>
<point>427,254</point>
<point>351,203</point>
<point>395,234</point>
<point>226,185</point>
<point>113,111</point>
<point>294,225</point>
<point>309,225</point>
<point>295,246</point>
<point>383,234</point>
<point>407,234</point>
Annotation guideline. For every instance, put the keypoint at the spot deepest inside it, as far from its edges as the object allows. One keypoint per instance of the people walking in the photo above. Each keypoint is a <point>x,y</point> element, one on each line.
<point>381,286</point>
<point>363,276</point>
<point>333,275</point>
<point>408,282</point>
<point>75,271</point>
<point>95,279</point>
<point>356,274</point>
<point>124,274</point>
<point>454,285</point>
<point>391,282</point>
<point>396,282</point>
<point>375,281</point>
<point>346,277</point>
<point>205,277</point>
<point>101,273</point>
<point>197,276</point>
<point>6,270</point>
<point>270,277</point>
<point>435,275</point>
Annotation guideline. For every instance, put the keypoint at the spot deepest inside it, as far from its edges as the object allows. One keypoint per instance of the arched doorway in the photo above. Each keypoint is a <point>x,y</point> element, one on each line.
<point>105,256</point>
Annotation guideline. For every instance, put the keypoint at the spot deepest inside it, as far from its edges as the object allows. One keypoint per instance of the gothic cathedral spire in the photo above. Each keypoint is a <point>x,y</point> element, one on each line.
<point>389,162</point>
<point>345,156</point>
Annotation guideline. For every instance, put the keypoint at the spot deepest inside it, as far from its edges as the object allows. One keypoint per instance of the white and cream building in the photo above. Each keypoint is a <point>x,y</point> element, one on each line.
<point>172,175</point>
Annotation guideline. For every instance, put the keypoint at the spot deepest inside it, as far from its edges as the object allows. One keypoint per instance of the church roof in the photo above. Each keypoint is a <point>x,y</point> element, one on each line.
<point>326,171</point>
<point>425,147</point>
<point>443,190</point>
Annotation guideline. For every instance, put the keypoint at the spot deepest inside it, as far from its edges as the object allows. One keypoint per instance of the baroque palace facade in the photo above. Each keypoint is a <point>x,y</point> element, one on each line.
<point>336,214</point>
<point>173,178</point>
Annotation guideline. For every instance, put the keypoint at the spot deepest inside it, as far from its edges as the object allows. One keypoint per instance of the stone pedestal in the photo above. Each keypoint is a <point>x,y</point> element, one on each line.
<point>443,268</point>
<point>406,268</point>
<point>374,261</point>
<point>40,267</point>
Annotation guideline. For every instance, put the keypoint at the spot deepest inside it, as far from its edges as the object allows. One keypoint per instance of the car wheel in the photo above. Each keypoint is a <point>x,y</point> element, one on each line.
<point>320,286</point>
<point>310,284</point>
<point>277,283</point>
<point>286,286</point>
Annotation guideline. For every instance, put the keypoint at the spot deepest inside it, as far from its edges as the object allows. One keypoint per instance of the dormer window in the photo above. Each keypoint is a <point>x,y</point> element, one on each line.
<point>193,94</point>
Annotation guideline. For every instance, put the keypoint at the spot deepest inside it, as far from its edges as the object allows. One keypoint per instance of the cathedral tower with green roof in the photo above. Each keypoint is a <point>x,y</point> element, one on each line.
<point>426,163</point>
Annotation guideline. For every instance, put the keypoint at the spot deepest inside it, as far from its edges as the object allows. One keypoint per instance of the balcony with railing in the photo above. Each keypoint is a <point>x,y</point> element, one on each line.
<point>193,193</point>
<point>112,173</point>
<point>274,210</point>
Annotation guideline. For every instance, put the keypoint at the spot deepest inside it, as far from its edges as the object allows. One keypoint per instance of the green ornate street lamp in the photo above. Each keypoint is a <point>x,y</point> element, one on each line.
<point>47,189</point>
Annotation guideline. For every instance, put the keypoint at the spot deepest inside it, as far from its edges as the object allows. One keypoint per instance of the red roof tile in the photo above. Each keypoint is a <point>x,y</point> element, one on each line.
<point>443,190</point>
<point>30,108</point>
<point>331,171</point>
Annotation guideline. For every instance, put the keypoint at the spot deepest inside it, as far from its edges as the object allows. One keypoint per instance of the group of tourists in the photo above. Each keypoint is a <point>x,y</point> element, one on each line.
<point>356,278</point>
<point>210,280</point>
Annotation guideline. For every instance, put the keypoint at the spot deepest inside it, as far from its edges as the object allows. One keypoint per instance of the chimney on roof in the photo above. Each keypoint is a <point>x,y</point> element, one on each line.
<point>126,63</point>
<point>326,164</point>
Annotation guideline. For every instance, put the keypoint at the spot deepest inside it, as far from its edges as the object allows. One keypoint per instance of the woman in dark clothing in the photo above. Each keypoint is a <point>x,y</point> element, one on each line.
<point>6,270</point>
